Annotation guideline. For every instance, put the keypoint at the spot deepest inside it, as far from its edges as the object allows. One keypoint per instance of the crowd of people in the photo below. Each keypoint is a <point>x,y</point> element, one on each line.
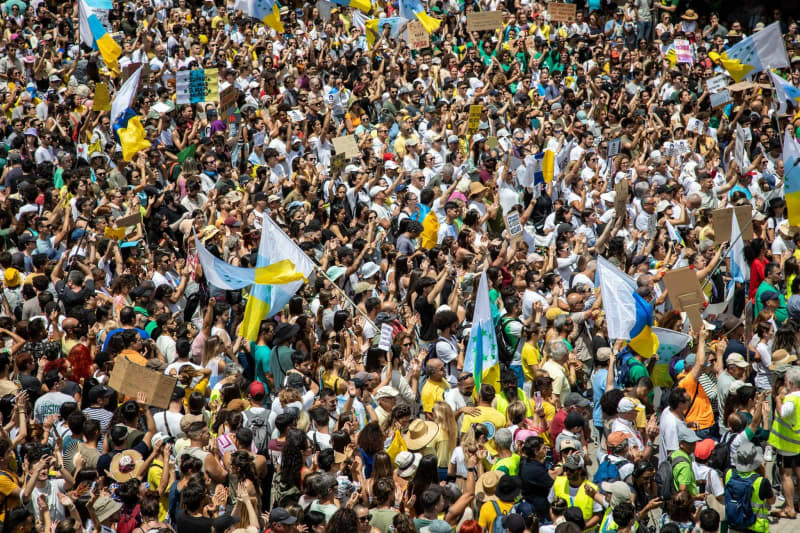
<point>352,409</point>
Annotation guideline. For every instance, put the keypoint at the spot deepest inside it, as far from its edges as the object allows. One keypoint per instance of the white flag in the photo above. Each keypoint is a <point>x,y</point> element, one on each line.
<point>481,355</point>
<point>616,289</point>
<point>125,95</point>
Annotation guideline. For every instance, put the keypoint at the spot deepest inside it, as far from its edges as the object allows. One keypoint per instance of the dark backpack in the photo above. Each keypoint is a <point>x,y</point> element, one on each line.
<point>665,478</point>
<point>259,425</point>
<point>506,344</point>
<point>622,372</point>
<point>738,502</point>
<point>608,471</point>
<point>720,458</point>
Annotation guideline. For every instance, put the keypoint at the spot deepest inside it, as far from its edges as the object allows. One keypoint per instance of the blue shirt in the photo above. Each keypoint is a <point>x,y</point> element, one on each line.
<point>142,333</point>
<point>261,355</point>
<point>598,388</point>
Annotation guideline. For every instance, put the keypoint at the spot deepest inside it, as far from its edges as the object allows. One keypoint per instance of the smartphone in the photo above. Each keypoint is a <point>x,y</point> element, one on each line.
<point>94,484</point>
<point>537,396</point>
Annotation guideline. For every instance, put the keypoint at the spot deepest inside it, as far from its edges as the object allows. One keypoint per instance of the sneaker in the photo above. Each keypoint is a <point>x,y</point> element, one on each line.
<point>769,454</point>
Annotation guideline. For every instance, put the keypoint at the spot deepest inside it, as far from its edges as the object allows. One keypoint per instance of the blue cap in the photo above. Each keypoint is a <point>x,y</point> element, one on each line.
<point>690,360</point>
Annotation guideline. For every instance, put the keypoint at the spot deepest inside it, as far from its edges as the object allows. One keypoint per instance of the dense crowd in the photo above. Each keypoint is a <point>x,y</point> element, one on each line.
<point>508,164</point>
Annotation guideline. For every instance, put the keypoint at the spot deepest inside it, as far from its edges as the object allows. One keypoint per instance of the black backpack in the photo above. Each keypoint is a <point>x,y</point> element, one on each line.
<point>506,344</point>
<point>665,478</point>
<point>720,458</point>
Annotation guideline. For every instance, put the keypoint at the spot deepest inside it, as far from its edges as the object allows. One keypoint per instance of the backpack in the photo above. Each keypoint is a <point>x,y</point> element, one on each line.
<point>720,458</point>
<point>497,525</point>
<point>284,496</point>
<point>608,471</point>
<point>506,344</point>
<point>622,372</point>
<point>665,478</point>
<point>259,425</point>
<point>738,502</point>
<point>129,520</point>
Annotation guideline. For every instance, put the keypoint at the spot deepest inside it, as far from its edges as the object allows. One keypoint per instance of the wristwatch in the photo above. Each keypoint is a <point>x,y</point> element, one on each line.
<point>474,470</point>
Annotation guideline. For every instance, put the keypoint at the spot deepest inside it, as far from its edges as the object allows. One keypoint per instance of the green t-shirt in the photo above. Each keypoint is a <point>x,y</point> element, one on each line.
<point>683,473</point>
<point>636,372</point>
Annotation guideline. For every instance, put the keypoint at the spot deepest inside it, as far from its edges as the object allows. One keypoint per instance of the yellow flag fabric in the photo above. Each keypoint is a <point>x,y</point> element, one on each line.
<point>430,23</point>
<point>430,231</point>
<point>735,67</point>
<point>102,99</point>
<point>278,273</point>
<point>254,312</point>
<point>398,445</point>
<point>132,138</point>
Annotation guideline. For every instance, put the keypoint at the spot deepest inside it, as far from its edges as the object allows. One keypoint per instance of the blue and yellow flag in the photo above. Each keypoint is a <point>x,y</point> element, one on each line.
<point>544,167</point>
<point>762,50</point>
<point>643,340</point>
<point>375,28</point>
<point>133,138</point>
<point>791,173</point>
<point>266,11</point>
<point>363,5</point>
<point>108,47</point>
<point>411,9</point>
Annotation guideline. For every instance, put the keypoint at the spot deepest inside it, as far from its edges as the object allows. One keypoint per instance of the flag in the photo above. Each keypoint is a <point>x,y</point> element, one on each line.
<point>133,138</point>
<point>481,356</point>
<point>124,97</point>
<point>411,9</point>
<point>267,11</point>
<point>186,153</point>
<point>363,5</point>
<point>740,272</point>
<point>784,91</point>
<point>103,41</point>
<point>232,278</point>
<point>762,50</point>
<point>374,28</point>
<point>543,166</point>
<point>628,315</point>
<point>430,231</point>
<point>674,235</point>
<point>98,8</point>
<point>669,343</point>
<point>791,173</point>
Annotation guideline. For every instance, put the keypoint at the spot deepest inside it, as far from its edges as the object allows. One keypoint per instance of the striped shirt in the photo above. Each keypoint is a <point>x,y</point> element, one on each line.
<point>103,417</point>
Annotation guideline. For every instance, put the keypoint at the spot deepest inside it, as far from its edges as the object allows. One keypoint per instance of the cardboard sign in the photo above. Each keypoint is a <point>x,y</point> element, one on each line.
<point>385,343</point>
<point>613,147</point>
<point>474,118</point>
<point>717,83</point>
<point>227,101</point>
<point>418,38</point>
<point>683,51</point>
<point>720,99</point>
<point>296,116</point>
<point>324,9</point>
<point>621,198</point>
<point>685,293</point>
<point>347,145</point>
<point>513,226</point>
<point>485,20</point>
<point>338,162</point>
<point>102,99</point>
<point>130,220</point>
<point>492,142</point>
<point>129,379</point>
<point>115,234</point>
<point>722,219</point>
<point>561,12</point>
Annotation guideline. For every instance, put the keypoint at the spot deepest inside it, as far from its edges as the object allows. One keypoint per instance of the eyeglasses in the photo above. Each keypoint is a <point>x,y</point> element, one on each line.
<point>406,344</point>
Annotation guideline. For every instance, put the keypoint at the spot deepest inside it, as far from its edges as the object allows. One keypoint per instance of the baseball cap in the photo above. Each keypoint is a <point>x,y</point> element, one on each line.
<point>625,405</point>
<point>703,449</point>
<point>573,462</point>
<point>257,389</point>
<point>573,398</point>
<point>232,222</point>
<point>386,391</point>
<point>736,359</point>
<point>279,515</point>
<point>687,435</point>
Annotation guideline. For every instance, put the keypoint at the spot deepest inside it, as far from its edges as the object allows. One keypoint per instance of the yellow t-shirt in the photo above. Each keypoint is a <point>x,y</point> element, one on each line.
<point>488,514</point>
<point>154,479</point>
<point>530,357</point>
<point>488,416</point>
<point>8,483</point>
<point>432,393</point>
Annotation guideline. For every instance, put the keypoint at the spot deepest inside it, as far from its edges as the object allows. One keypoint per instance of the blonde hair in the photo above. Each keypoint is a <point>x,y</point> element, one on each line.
<point>515,412</point>
<point>443,415</point>
<point>211,349</point>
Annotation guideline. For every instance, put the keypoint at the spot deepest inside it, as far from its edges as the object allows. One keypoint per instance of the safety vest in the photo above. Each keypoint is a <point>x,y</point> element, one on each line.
<point>511,464</point>
<point>760,508</point>
<point>607,524</point>
<point>785,433</point>
<point>581,500</point>
<point>502,402</point>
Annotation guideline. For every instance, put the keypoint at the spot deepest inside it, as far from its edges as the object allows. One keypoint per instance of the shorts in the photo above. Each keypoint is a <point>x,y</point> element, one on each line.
<point>789,461</point>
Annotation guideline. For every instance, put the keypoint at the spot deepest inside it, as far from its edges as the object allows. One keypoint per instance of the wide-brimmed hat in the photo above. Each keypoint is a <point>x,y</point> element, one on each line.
<point>407,463</point>
<point>690,14</point>
<point>284,332</point>
<point>123,465</point>
<point>781,357</point>
<point>105,507</point>
<point>420,434</point>
<point>508,488</point>
<point>475,188</point>
<point>748,457</point>
<point>487,483</point>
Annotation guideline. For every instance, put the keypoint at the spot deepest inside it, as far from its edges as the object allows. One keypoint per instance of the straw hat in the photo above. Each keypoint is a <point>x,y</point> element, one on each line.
<point>124,464</point>
<point>690,14</point>
<point>781,357</point>
<point>487,483</point>
<point>420,434</point>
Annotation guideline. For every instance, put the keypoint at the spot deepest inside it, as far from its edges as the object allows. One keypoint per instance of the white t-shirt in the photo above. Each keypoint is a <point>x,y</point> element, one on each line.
<point>668,435</point>
<point>169,423</point>
<point>705,473</point>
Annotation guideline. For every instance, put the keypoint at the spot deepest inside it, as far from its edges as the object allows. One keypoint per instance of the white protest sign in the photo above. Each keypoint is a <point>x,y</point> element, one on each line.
<point>695,125</point>
<point>385,343</point>
<point>717,83</point>
<point>720,99</point>
<point>613,147</point>
<point>739,152</point>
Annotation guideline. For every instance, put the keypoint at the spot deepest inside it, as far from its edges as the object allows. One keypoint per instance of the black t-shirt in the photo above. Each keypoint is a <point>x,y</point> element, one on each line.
<point>200,524</point>
<point>426,311</point>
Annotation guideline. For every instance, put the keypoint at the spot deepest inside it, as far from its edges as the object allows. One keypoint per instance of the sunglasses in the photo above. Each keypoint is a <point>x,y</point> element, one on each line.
<point>365,519</point>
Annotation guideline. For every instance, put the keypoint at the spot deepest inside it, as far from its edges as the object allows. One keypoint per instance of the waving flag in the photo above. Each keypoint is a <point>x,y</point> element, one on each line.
<point>98,8</point>
<point>266,11</point>
<point>669,343</point>
<point>124,97</point>
<point>791,173</point>
<point>740,272</point>
<point>411,9</point>
<point>628,315</point>
<point>762,50</point>
<point>543,166</point>
<point>267,299</point>
<point>100,38</point>
<point>363,5</point>
<point>784,91</point>
<point>375,28</point>
<point>133,138</point>
<point>481,356</point>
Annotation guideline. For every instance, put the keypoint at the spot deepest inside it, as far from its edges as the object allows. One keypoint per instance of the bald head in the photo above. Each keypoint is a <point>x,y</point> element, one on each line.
<point>69,323</point>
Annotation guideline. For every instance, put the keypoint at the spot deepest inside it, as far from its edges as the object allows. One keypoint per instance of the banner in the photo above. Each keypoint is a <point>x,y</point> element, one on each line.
<point>474,118</point>
<point>195,86</point>
<point>561,12</point>
<point>484,20</point>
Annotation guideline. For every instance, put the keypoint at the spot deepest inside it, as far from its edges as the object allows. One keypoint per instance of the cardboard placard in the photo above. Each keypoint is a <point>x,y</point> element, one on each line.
<point>561,12</point>
<point>513,226</point>
<point>492,142</point>
<point>685,293</point>
<point>720,99</point>
<point>102,99</point>
<point>347,145</point>
<point>130,220</point>
<point>621,198</point>
<point>338,162</point>
<point>722,219</point>
<point>717,83</point>
<point>485,20</point>
<point>418,38</point>
<point>129,379</point>
<point>227,101</point>
<point>474,118</point>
